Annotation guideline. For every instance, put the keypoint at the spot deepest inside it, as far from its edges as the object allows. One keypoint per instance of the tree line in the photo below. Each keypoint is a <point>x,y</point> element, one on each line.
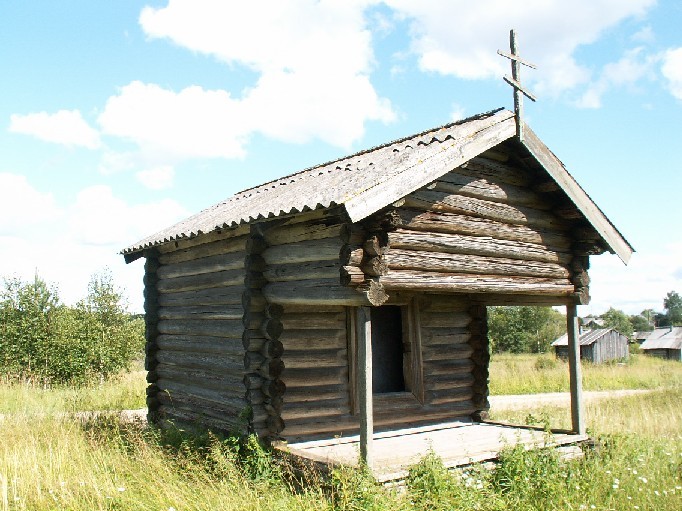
<point>48,342</point>
<point>532,329</point>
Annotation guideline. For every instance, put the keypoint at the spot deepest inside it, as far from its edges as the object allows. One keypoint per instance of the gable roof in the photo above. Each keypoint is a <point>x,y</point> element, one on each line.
<point>587,338</point>
<point>664,338</point>
<point>370,180</point>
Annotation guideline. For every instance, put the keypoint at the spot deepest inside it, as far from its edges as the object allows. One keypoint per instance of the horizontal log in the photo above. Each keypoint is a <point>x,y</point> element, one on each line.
<point>351,276</point>
<point>307,339</point>
<point>312,394</point>
<point>232,311</point>
<point>322,408</point>
<point>452,182</point>
<point>450,367</point>
<point>209,379</point>
<point>442,201</point>
<point>191,252</point>
<point>440,221</point>
<point>453,223</point>
<point>213,327</point>
<point>475,245</point>
<point>303,271</point>
<point>200,344</point>
<point>451,352</point>
<point>444,336</point>
<point>444,303</point>
<point>202,281</point>
<point>351,255</point>
<point>465,283</point>
<point>315,358</point>
<point>312,292</point>
<point>448,381</point>
<point>496,172</point>
<point>180,415</point>
<point>449,319</point>
<point>224,364</point>
<point>447,396</point>
<point>224,398</point>
<point>302,251</point>
<point>211,264</point>
<point>310,376</point>
<point>222,295</point>
<point>306,231</point>
<point>203,408</point>
<point>374,266</point>
<point>313,320</point>
<point>466,263</point>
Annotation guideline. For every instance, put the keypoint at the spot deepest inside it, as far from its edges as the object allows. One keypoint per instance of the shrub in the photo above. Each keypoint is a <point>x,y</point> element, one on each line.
<point>47,342</point>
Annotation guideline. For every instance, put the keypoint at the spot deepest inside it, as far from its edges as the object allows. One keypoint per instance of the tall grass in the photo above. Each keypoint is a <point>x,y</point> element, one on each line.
<point>531,374</point>
<point>123,392</point>
<point>51,462</point>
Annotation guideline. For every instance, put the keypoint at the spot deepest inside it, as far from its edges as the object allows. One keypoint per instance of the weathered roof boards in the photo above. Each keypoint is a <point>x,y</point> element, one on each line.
<point>263,311</point>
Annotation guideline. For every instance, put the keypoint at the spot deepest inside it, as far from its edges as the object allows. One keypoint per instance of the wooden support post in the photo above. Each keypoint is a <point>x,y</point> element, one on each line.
<point>575,370</point>
<point>364,339</point>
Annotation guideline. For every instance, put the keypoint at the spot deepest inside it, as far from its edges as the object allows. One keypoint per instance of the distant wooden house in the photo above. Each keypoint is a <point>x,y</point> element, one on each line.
<point>591,322</point>
<point>597,346</point>
<point>351,297</point>
<point>665,342</point>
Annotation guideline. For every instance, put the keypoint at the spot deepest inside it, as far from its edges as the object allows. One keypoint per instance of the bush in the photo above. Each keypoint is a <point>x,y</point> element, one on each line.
<point>45,341</point>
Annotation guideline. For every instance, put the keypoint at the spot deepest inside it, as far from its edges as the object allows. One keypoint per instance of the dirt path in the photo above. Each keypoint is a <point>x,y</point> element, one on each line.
<point>555,398</point>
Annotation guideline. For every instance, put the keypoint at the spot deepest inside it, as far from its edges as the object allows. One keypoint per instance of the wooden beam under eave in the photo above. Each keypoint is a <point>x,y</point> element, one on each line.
<point>575,370</point>
<point>364,372</point>
<point>583,202</point>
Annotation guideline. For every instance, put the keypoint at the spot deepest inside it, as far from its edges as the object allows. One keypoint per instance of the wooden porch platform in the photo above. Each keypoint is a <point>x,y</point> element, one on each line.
<point>456,443</point>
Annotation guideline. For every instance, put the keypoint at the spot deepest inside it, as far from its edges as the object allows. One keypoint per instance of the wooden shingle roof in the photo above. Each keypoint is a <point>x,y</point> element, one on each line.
<point>370,180</point>
<point>586,338</point>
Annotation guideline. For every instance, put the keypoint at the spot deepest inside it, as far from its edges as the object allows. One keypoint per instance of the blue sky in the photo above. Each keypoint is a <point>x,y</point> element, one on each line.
<point>119,118</point>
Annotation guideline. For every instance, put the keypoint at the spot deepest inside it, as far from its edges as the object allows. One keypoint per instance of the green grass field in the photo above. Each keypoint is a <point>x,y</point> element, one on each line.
<point>49,461</point>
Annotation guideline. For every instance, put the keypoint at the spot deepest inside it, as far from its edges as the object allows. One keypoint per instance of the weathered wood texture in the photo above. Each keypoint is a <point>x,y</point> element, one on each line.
<point>320,373</point>
<point>151,307</point>
<point>199,358</point>
<point>483,229</point>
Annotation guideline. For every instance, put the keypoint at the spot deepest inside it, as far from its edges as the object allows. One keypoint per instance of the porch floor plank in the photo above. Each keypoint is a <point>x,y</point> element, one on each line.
<point>456,443</point>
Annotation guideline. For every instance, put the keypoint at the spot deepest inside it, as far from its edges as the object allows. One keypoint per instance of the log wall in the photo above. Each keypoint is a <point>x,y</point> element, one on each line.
<point>198,364</point>
<point>485,228</point>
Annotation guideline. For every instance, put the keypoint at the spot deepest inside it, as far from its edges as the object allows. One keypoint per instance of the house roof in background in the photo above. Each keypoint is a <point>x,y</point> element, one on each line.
<point>586,338</point>
<point>664,338</point>
<point>370,180</point>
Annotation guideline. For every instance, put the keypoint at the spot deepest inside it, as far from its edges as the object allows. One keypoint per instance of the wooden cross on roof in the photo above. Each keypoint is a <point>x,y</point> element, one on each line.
<point>515,81</point>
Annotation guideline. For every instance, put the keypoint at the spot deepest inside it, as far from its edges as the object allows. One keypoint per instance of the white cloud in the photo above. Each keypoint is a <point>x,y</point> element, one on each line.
<point>644,35</point>
<point>641,285</point>
<point>313,59</point>
<point>672,71</point>
<point>457,113</point>
<point>113,162</point>
<point>194,123</point>
<point>66,127</point>
<point>98,217</point>
<point>22,206</point>
<point>460,38</point>
<point>157,178</point>
<point>632,67</point>
<point>68,245</point>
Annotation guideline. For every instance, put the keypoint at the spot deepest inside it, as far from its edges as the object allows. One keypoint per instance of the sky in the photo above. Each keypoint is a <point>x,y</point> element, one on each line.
<point>120,118</point>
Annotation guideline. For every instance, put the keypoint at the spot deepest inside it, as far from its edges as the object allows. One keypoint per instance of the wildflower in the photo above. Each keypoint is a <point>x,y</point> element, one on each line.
<point>592,506</point>
<point>121,489</point>
<point>657,494</point>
